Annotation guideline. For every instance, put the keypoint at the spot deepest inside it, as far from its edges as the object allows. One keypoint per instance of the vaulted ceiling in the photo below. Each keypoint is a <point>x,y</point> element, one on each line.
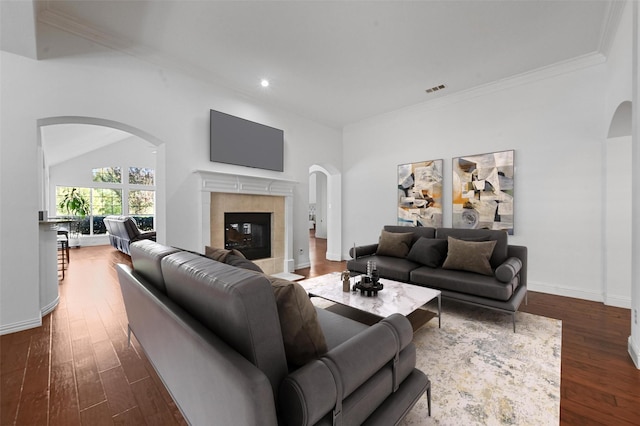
<point>338,62</point>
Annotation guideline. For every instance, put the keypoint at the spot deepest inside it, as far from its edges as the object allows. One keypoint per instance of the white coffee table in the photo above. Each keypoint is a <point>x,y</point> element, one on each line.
<point>395,297</point>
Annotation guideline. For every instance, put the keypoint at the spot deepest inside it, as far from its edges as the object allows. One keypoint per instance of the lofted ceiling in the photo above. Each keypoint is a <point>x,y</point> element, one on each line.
<point>338,62</point>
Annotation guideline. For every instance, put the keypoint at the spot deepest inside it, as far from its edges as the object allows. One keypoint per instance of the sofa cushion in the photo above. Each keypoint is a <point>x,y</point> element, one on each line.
<point>428,251</point>
<point>301,332</point>
<point>235,304</point>
<point>146,256</point>
<point>389,267</point>
<point>508,270</point>
<point>469,256</point>
<point>394,244</point>
<point>463,282</point>
<point>417,231</point>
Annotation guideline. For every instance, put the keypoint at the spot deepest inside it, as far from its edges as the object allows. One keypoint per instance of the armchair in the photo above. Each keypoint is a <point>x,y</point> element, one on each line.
<point>123,231</point>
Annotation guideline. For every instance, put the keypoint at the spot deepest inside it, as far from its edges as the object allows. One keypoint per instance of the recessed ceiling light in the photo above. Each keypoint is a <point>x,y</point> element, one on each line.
<point>264,82</point>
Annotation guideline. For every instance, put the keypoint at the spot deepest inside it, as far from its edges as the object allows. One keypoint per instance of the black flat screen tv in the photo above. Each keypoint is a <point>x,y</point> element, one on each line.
<point>234,140</point>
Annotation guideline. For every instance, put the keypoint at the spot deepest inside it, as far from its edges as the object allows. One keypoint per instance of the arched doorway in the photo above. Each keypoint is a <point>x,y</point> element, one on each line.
<point>159,148</point>
<point>330,212</point>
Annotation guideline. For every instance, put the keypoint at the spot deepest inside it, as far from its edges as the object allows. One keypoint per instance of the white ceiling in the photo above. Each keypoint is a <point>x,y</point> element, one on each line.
<point>339,62</point>
<point>61,142</point>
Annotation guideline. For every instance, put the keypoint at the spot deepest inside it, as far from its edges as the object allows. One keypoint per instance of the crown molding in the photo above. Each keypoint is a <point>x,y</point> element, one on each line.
<point>610,25</point>
<point>543,73</point>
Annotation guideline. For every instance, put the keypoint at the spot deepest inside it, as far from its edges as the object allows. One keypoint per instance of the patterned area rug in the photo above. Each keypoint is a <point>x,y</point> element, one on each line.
<point>482,373</point>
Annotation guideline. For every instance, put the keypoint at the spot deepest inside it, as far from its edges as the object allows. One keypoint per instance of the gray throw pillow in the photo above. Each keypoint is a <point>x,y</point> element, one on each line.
<point>220,255</point>
<point>428,251</point>
<point>469,256</point>
<point>301,332</point>
<point>508,270</point>
<point>394,244</point>
<point>241,262</point>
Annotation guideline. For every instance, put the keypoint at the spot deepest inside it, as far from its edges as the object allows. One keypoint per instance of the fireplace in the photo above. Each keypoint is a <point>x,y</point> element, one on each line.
<point>249,233</point>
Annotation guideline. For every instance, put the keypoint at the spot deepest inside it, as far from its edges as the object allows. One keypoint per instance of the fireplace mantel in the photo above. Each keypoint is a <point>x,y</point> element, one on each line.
<point>218,182</point>
<point>245,184</point>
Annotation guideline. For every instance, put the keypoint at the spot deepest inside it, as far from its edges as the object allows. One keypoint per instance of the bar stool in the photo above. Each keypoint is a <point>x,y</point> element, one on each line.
<point>63,252</point>
<point>65,232</point>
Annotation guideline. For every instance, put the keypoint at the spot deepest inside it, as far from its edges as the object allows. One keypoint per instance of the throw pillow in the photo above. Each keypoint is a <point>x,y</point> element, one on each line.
<point>428,251</point>
<point>469,256</point>
<point>394,244</point>
<point>301,332</point>
<point>220,255</point>
<point>242,262</point>
<point>508,270</point>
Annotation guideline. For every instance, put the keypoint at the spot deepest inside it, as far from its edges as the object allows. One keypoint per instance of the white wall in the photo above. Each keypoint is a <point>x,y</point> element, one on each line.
<point>82,79</point>
<point>321,205</point>
<point>556,127</point>
<point>617,202</point>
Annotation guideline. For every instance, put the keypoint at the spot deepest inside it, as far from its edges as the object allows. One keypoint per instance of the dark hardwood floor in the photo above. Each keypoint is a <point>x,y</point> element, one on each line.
<point>77,368</point>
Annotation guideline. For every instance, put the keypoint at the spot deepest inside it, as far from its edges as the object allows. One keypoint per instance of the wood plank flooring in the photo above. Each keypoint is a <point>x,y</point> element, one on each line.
<point>77,369</point>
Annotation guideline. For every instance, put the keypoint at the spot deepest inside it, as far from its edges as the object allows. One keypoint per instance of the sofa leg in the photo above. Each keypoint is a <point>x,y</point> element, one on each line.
<point>513,316</point>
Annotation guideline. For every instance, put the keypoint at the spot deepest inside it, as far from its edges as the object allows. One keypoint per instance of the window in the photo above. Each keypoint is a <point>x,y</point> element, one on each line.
<point>104,201</point>
<point>134,197</point>
<point>107,174</point>
<point>141,176</point>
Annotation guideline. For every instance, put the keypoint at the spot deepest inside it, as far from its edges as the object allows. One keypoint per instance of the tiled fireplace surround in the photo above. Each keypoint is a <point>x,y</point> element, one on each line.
<point>223,192</point>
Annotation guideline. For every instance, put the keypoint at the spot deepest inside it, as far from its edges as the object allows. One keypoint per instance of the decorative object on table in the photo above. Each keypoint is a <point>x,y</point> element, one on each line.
<point>483,191</point>
<point>367,286</point>
<point>345,276</point>
<point>420,194</point>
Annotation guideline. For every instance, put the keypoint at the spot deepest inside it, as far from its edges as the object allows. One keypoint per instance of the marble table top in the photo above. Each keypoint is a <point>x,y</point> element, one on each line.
<point>395,297</point>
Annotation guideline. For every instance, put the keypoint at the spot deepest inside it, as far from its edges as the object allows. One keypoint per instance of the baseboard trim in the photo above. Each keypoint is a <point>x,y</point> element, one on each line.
<point>634,352</point>
<point>20,326</point>
<point>336,257</point>
<point>303,265</point>
<point>50,307</point>
<point>564,291</point>
<point>618,302</point>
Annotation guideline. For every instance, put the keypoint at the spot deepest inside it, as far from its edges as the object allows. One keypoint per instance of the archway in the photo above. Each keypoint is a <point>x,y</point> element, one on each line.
<point>332,209</point>
<point>160,204</point>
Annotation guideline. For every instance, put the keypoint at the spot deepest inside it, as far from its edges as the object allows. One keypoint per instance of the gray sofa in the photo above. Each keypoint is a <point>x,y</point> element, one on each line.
<point>214,334</point>
<point>123,231</point>
<point>502,285</point>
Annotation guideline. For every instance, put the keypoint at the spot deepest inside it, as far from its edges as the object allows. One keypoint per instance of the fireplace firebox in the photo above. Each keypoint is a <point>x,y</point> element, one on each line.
<point>249,233</point>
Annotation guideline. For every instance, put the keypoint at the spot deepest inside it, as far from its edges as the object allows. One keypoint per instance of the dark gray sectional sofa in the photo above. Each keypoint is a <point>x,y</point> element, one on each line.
<point>426,262</point>
<point>217,336</point>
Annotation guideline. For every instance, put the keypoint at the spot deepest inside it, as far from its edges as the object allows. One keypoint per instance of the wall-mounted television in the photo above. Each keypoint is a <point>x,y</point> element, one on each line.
<point>234,140</point>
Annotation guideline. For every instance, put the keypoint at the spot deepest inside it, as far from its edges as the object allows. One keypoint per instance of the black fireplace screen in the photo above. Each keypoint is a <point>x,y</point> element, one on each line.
<point>249,233</point>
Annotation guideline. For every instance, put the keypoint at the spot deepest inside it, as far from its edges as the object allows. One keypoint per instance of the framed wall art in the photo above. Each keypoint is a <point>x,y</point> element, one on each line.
<point>420,194</point>
<point>483,191</point>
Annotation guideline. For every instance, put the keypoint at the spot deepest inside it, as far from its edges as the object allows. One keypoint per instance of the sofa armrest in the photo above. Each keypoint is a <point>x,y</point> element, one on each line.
<point>151,235</point>
<point>309,393</point>
<point>521,253</point>
<point>361,251</point>
<point>508,270</point>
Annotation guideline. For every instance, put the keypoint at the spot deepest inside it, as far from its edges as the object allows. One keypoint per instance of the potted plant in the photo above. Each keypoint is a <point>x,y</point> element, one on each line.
<point>76,206</point>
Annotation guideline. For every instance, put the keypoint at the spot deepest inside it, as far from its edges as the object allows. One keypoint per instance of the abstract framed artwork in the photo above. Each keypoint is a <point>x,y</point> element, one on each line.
<point>483,191</point>
<point>420,194</point>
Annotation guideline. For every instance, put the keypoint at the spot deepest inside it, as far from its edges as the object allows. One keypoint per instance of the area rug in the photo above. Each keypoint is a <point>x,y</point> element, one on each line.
<point>482,373</point>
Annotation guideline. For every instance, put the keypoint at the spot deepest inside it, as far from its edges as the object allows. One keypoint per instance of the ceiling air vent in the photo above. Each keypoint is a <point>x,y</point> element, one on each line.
<point>436,88</point>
